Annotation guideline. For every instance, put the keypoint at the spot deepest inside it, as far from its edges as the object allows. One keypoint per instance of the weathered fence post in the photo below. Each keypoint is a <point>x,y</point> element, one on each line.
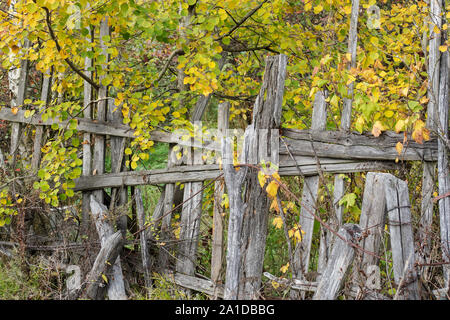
<point>98,165</point>
<point>39,133</point>
<point>429,168</point>
<point>140,213</point>
<point>116,286</point>
<point>372,222</point>
<point>443,162</point>
<point>340,259</point>
<point>310,190</point>
<point>266,118</point>
<point>217,236</point>
<point>402,239</point>
<point>87,147</point>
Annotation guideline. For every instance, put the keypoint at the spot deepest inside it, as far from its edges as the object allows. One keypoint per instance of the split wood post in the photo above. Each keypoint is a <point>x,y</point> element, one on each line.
<point>429,168</point>
<point>193,194</point>
<point>217,236</point>
<point>310,190</point>
<point>340,259</point>
<point>96,285</point>
<point>167,207</point>
<point>234,181</point>
<point>87,147</point>
<point>346,117</point>
<point>19,83</point>
<point>98,165</point>
<point>443,151</point>
<point>140,213</point>
<point>116,286</point>
<point>372,222</point>
<point>117,148</point>
<point>265,124</point>
<point>402,238</point>
<point>190,215</point>
<point>39,133</point>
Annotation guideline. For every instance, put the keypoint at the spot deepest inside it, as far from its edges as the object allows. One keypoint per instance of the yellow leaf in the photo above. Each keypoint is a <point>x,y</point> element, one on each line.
<point>176,114</point>
<point>404,91</point>
<point>443,48</point>
<point>318,9</point>
<point>261,178</point>
<point>424,100</point>
<point>274,205</point>
<point>400,125</point>
<point>14,110</point>
<point>399,148</point>
<point>285,268</point>
<point>275,284</point>
<point>277,222</point>
<point>104,278</point>
<point>377,128</point>
<point>389,113</point>
<point>348,9</point>
<point>133,165</point>
<point>128,151</point>
<point>272,189</point>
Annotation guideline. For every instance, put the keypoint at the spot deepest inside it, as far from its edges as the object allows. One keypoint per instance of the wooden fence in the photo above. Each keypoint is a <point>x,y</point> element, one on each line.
<point>305,153</point>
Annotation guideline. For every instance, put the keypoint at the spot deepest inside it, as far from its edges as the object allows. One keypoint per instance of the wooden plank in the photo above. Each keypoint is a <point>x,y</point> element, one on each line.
<point>195,283</point>
<point>343,145</point>
<point>217,236</point>
<point>372,222</point>
<point>18,100</point>
<point>234,181</point>
<point>140,213</point>
<point>38,137</point>
<point>443,162</point>
<point>98,163</point>
<point>402,238</point>
<point>296,284</point>
<point>302,250</point>
<point>87,147</point>
<point>338,263</point>
<point>209,172</point>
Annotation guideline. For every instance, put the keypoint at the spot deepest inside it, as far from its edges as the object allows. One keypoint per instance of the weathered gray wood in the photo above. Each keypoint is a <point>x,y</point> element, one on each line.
<point>266,116</point>
<point>338,263</point>
<point>297,284</point>
<point>167,208</point>
<point>116,286</point>
<point>339,184</point>
<point>310,190</point>
<point>73,283</point>
<point>217,236</point>
<point>339,144</point>
<point>429,177</point>
<point>117,148</point>
<point>36,157</point>
<point>140,213</point>
<point>331,144</point>
<point>352,46</point>
<point>87,146</point>
<point>96,286</point>
<point>234,182</point>
<point>208,172</point>
<point>18,100</point>
<point>402,239</point>
<point>443,162</point>
<point>98,165</point>
<point>372,222</point>
<point>195,283</point>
